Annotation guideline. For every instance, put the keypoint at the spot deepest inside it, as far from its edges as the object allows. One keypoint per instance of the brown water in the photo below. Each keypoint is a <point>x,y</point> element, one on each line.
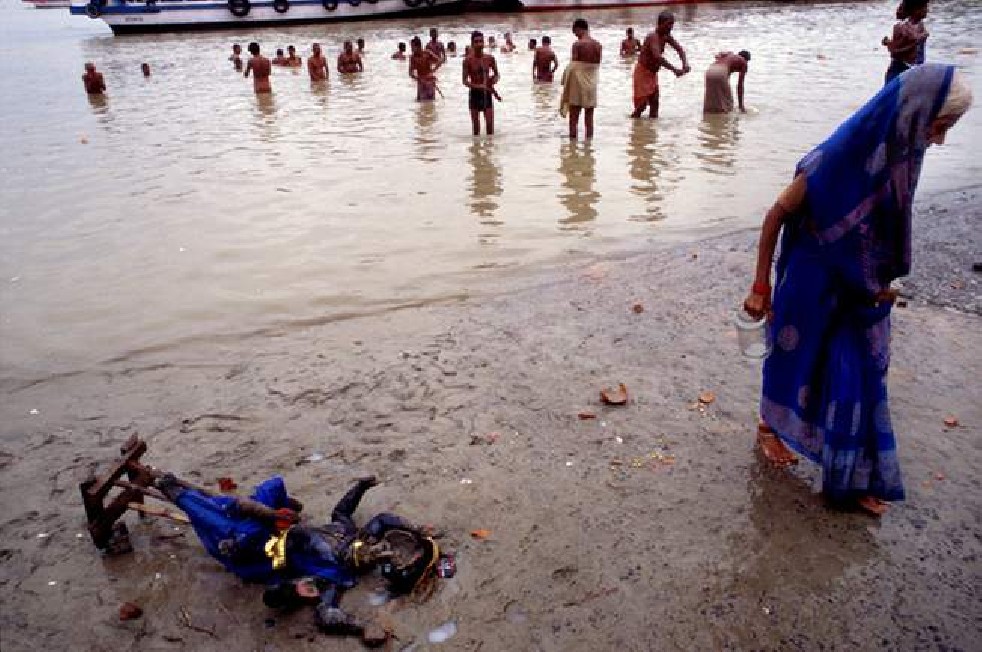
<point>193,211</point>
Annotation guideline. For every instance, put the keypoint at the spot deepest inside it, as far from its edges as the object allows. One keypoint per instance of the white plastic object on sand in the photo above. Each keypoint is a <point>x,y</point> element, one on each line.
<point>443,633</point>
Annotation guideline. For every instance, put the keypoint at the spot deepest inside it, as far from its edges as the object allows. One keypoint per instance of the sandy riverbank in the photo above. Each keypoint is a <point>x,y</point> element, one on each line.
<point>712,551</point>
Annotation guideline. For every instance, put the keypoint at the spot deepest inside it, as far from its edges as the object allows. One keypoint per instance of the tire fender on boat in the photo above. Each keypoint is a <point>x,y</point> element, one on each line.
<point>372,2</point>
<point>239,8</point>
<point>329,5</point>
<point>93,10</point>
<point>430,3</point>
<point>152,7</point>
<point>354,3</point>
<point>412,4</point>
<point>281,6</point>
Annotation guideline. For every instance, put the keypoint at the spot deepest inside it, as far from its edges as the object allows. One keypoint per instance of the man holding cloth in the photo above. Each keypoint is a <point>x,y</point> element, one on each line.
<point>580,80</point>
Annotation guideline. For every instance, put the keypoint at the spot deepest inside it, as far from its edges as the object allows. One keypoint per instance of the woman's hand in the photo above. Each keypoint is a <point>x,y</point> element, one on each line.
<point>757,305</point>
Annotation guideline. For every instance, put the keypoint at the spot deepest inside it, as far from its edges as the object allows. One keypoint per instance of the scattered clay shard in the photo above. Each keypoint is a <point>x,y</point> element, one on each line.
<point>480,534</point>
<point>951,421</point>
<point>226,485</point>
<point>587,415</point>
<point>707,397</point>
<point>614,396</point>
<point>129,611</point>
<point>637,308</point>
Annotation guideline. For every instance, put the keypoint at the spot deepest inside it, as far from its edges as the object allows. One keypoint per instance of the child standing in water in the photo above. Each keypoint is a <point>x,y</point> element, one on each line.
<point>93,81</point>
<point>907,47</point>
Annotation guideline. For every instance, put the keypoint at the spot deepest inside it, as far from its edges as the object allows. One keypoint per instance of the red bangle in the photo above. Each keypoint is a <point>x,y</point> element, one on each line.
<point>761,288</point>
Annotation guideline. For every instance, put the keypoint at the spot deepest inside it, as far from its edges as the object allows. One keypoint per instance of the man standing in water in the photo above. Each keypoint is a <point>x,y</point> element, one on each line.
<point>349,60</point>
<point>423,64</point>
<point>292,60</point>
<point>630,45</point>
<point>907,47</point>
<point>651,60</point>
<point>544,63</point>
<point>317,64</point>
<point>260,67</point>
<point>93,81</point>
<point>719,97</point>
<point>480,76</point>
<point>436,47</point>
<point>580,79</point>
<point>509,45</point>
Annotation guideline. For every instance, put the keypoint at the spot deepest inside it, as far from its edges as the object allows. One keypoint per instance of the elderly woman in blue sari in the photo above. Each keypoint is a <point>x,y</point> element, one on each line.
<point>846,222</point>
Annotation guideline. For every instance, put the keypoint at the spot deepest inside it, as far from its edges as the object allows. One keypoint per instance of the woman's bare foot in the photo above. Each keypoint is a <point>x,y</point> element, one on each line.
<point>774,450</point>
<point>872,505</point>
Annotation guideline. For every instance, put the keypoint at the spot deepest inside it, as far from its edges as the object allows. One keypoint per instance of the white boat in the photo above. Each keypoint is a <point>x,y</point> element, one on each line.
<point>574,5</point>
<point>138,16</point>
<point>48,4</point>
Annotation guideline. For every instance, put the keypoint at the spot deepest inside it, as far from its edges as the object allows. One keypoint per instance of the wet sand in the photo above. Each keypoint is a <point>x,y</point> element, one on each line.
<point>653,527</point>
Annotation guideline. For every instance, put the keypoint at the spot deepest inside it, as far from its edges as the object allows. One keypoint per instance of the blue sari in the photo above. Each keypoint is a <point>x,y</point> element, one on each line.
<point>824,382</point>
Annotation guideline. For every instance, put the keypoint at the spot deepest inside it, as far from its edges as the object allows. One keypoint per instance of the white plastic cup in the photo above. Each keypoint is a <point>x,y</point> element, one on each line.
<point>752,335</point>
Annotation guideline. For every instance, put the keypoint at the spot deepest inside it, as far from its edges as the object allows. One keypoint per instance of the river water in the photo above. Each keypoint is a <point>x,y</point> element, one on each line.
<point>181,208</point>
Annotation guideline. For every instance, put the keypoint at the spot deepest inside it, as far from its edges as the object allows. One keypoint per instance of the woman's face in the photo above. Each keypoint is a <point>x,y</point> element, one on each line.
<point>939,129</point>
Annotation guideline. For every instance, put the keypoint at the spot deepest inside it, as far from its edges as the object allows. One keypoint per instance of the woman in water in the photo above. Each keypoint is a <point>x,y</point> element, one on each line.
<point>846,221</point>
<point>909,40</point>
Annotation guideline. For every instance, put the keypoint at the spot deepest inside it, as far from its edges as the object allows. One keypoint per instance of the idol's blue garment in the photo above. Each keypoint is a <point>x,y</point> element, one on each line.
<point>217,519</point>
<point>824,382</point>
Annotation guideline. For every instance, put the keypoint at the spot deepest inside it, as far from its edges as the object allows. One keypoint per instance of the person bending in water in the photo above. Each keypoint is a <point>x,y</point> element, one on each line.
<point>93,81</point>
<point>236,57</point>
<point>580,79</point>
<point>651,61</point>
<point>630,46</point>
<point>492,44</point>
<point>423,64</point>
<point>544,63</point>
<point>400,53</point>
<point>451,49</point>
<point>533,44</point>
<point>436,47</point>
<point>361,46</point>
<point>260,67</point>
<point>317,64</point>
<point>349,61</point>
<point>907,47</point>
<point>279,59</point>
<point>292,60</point>
<point>719,97</point>
<point>480,76</point>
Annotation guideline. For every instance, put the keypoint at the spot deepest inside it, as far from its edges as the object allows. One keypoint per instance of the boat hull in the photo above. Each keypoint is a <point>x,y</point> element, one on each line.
<point>48,4</point>
<point>577,5</point>
<point>184,15</point>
